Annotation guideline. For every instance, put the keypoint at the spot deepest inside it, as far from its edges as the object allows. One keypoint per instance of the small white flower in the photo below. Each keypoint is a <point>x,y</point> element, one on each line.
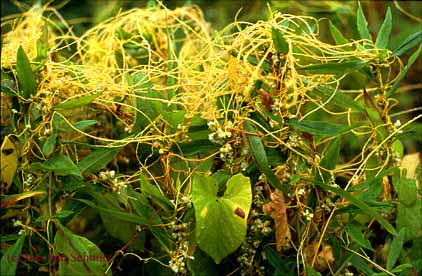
<point>308,215</point>
<point>397,123</point>
<point>301,191</point>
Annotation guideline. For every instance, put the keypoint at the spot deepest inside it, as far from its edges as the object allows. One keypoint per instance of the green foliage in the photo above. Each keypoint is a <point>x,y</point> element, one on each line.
<point>220,229</point>
<point>154,144</point>
<point>25,75</point>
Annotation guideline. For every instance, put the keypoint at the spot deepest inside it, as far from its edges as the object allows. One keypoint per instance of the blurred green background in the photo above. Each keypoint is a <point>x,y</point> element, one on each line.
<point>82,14</point>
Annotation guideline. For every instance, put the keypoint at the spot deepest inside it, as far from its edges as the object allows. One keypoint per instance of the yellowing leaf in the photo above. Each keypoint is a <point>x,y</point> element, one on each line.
<point>277,209</point>
<point>9,162</point>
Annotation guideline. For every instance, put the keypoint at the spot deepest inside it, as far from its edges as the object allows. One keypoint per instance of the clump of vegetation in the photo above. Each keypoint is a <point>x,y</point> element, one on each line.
<point>153,144</point>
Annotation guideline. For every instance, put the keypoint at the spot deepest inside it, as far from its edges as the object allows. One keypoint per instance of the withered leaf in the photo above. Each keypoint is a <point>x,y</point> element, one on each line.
<point>277,209</point>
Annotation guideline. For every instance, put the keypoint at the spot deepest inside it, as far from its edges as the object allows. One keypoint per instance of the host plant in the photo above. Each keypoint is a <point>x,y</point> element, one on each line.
<point>155,141</point>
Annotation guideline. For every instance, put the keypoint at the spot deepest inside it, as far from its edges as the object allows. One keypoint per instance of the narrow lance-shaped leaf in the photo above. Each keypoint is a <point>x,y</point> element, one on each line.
<point>403,73</point>
<point>330,158</point>
<point>59,164</point>
<point>385,31</point>
<point>83,256</point>
<point>258,152</point>
<point>97,160</point>
<point>339,99</point>
<point>337,35</point>
<point>10,258</point>
<point>25,75</point>
<point>395,249</point>
<point>360,204</point>
<point>333,67</point>
<point>279,41</point>
<point>411,41</point>
<point>73,103</point>
<point>355,231</point>
<point>362,24</point>
<point>118,214</point>
<point>320,127</point>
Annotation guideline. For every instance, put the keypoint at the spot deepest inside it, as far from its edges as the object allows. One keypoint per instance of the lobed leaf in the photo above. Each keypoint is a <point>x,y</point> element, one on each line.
<point>220,229</point>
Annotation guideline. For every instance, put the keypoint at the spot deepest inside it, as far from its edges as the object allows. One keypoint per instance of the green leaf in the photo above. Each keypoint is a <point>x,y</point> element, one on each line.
<point>174,118</point>
<point>25,75</point>
<point>117,213</point>
<point>97,160</point>
<point>9,260</point>
<point>266,65</point>
<point>143,208</point>
<point>409,215</point>
<point>339,99</point>
<point>59,164</point>
<point>385,31</point>
<point>358,203</point>
<point>42,45</point>
<point>74,103</point>
<point>83,256</point>
<point>398,148</point>
<point>403,73</point>
<point>355,231</point>
<point>362,24</point>
<point>81,125</point>
<point>257,149</point>
<point>320,127</point>
<point>395,249</point>
<point>333,67</point>
<point>337,35</point>
<point>411,41</point>
<point>202,264</point>
<point>310,271</point>
<point>50,144</point>
<point>220,230</point>
<point>148,109</point>
<point>195,147</point>
<point>330,157</point>
<point>279,41</point>
<point>154,194</point>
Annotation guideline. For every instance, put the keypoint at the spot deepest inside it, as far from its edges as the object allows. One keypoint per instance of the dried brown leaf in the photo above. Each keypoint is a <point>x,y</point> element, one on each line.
<point>277,209</point>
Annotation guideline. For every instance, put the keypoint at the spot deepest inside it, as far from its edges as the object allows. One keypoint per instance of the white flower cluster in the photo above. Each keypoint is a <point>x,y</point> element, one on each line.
<point>107,175</point>
<point>110,176</point>
<point>294,140</point>
<point>178,257</point>
<point>220,135</point>
<point>118,185</point>
<point>308,215</point>
<point>263,227</point>
<point>277,104</point>
<point>28,180</point>
<point>397,125</point>
<point>328,204</point>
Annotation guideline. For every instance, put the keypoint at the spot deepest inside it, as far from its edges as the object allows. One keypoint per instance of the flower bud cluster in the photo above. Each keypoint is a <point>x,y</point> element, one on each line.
<point>178,256</point>
<point>117,185</point>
